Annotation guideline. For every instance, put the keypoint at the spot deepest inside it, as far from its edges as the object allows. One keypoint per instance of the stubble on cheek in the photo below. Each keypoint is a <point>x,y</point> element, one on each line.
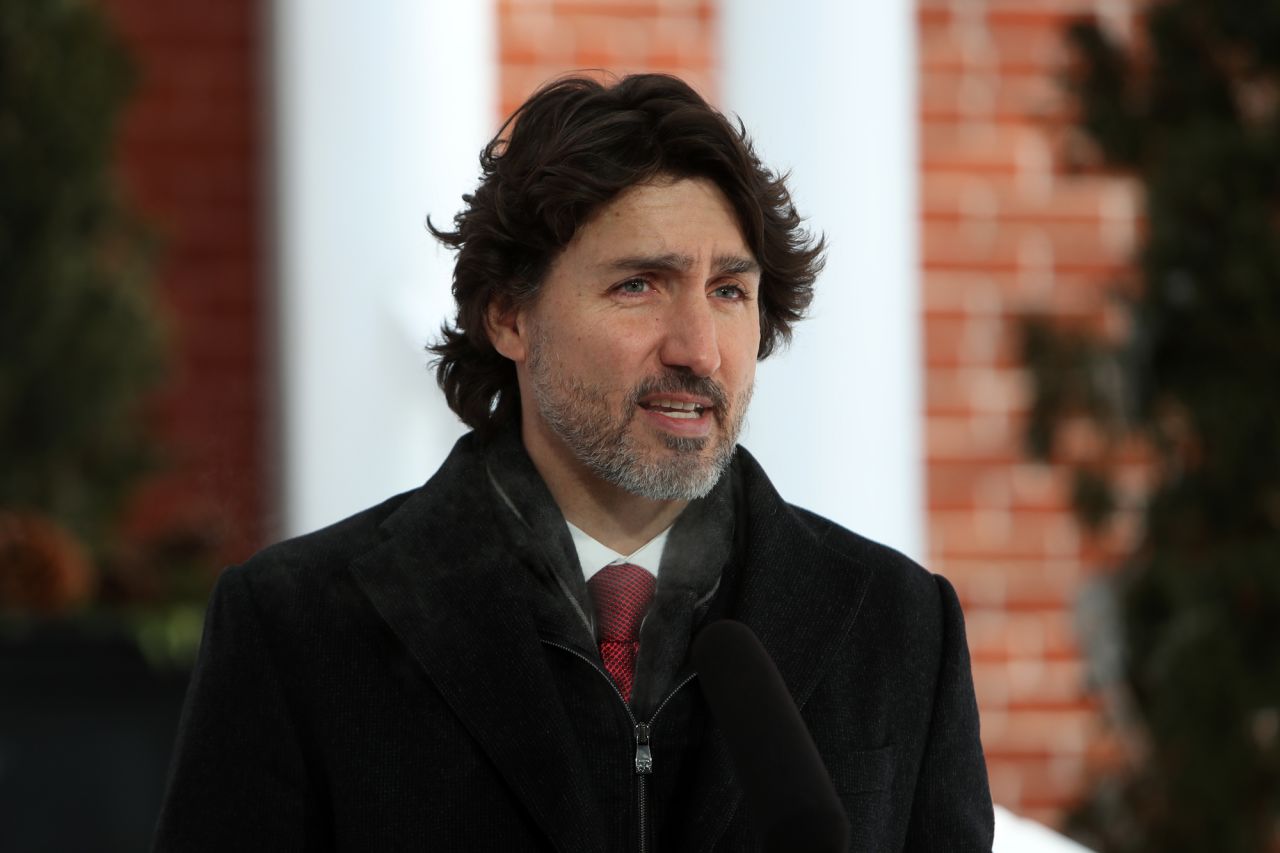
<point>604,436</point>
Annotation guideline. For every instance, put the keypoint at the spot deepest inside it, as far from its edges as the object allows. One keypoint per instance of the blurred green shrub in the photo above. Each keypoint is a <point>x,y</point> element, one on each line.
<point>1191,109</point>
<point>82,342</point>
<point>80,339</point>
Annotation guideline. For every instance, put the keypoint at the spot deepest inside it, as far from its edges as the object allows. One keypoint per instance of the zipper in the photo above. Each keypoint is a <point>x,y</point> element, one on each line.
<point>644,763</point>
<point>643,733</point>
<point>644,768</point>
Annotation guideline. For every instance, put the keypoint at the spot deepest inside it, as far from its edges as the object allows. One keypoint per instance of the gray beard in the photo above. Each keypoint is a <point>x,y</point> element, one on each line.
<point>579,416</point>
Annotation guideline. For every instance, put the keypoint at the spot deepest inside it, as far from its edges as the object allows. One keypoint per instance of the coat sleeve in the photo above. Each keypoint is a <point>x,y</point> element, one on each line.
<point>237,780</point>
<point>952,807</point>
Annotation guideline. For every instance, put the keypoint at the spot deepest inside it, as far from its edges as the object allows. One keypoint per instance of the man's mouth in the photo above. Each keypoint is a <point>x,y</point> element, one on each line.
<point>674,408</point>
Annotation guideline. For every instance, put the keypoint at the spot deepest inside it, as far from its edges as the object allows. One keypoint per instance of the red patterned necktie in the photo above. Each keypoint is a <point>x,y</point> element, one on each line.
<point>621,593</point>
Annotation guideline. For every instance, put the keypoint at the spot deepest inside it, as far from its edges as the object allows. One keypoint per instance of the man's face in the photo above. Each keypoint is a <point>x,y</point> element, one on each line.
<point>639,353</point>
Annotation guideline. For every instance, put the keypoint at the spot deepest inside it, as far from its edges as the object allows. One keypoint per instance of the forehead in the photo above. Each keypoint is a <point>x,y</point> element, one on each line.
<point>688,217</point>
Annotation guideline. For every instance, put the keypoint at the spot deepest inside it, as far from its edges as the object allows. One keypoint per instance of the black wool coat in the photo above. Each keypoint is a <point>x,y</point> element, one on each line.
<point>387,684</point>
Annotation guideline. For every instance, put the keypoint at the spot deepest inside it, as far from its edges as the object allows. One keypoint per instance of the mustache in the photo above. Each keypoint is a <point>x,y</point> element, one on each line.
<point>687,383</point>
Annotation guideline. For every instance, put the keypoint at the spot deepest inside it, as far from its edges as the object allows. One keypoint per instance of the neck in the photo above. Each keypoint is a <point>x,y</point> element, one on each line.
<point>610,515</point>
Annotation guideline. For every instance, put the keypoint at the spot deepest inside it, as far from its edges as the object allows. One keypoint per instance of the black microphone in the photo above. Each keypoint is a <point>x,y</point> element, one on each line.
<point>786,785</point>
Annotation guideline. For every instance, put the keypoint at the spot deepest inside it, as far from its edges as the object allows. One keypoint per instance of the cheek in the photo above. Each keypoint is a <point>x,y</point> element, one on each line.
<point>747,375</point>
<point>624,344</point>
<point>605,352</point>
<point>742,350</point>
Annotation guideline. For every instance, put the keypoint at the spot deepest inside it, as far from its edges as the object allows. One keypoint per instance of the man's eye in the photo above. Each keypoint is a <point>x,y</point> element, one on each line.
<point>633,285</point>
<point>731,291</point>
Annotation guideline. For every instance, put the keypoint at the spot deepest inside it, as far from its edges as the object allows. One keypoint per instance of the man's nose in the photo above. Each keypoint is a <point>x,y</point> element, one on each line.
<point>690,339</point>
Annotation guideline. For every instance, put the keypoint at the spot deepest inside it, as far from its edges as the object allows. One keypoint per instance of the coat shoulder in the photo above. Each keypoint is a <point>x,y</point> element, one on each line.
<point>315,557</point>
<point>893,574</point>
<point>893,570</point>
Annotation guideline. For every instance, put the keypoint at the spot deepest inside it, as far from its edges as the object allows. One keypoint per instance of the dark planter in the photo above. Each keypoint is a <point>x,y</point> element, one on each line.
<point>86,731</point>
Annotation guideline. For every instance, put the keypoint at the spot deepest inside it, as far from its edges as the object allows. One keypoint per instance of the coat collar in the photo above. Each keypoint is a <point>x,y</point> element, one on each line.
<point>463,611</point>
<point>443,580</point>
<point>801,598</point>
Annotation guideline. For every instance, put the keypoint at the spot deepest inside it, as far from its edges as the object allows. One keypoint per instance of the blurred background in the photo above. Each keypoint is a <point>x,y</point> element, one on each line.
<point>1043,360</point>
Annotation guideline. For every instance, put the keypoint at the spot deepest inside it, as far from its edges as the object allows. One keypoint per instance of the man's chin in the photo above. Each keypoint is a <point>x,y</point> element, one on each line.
<point>680,468</point>
<point>668,486</point>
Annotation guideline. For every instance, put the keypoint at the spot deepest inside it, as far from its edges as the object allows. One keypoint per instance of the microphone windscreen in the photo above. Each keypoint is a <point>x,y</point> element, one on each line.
<point>785,784</point>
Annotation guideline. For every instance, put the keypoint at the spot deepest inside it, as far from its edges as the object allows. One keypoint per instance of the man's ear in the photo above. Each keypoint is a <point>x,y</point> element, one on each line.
<point>507,330</point>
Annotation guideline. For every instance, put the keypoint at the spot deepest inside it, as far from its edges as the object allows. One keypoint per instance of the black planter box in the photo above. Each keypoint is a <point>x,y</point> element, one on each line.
<point>86,731</point>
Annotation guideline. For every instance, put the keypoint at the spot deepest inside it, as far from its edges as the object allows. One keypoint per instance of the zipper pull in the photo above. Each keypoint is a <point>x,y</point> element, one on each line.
<point>644,757</point>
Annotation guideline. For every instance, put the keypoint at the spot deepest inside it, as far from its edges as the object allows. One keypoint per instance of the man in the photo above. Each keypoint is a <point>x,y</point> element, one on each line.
<point>498,660</point>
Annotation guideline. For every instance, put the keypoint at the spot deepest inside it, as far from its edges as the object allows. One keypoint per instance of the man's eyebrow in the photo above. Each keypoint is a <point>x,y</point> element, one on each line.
<point>669,262</point>
<point>735,265</point>
<point>676,262</point>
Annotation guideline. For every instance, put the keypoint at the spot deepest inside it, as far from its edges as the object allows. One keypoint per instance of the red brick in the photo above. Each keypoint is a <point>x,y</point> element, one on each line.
<point>1033,48</point>
<point>961,95</point>
<point>973,438</point>
<point>958,484</point>
<point>974,150</point>
<point>938,44</point>
<point>1029,683</point>
<point>1036,487</point>
<point>987,389</point>
<point>1073,293</point>
<point>600,42</point>
<point>953,485</point>
<point>997,532</point>
<point>970,340</point>
<point>625,9</point>
<point>147,24</point>
<point>1071,246</point>
<point>1042,8</point>
<point>1036,733</point>
<point>1008,199</point>
<point>188,152</point>
<point>1035,13</point>
<point>997,633</point>
<point>531,37</point>
<point>679,44</point>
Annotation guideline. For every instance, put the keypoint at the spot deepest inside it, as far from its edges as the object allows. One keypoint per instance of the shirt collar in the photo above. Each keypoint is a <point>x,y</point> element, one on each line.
<point>594,555</point>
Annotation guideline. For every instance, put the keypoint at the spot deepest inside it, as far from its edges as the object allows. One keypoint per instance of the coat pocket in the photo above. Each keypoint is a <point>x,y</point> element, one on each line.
<point>864,784</point>
<point>864,772</point>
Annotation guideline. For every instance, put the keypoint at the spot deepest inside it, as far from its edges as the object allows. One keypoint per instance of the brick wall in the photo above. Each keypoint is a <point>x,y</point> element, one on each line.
<point>1005,231</point>
<point>542,39</point>
<point>189,154</point>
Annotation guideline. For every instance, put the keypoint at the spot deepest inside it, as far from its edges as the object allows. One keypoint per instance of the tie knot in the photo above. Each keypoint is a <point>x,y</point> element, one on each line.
<point>621,593</point>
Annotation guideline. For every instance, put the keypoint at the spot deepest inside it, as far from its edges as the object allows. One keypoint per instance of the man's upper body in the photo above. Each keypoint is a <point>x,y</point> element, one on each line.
<point>427,674</point>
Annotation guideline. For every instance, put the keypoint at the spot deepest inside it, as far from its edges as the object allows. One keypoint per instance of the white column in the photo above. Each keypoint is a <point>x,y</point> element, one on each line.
<point>827,89</point>
<point>380,111</point>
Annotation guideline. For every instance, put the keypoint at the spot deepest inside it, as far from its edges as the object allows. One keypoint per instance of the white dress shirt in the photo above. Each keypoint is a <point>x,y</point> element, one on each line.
<point>594,555</point>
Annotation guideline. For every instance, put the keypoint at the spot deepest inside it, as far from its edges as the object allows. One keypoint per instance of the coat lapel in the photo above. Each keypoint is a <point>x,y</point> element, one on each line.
<point>447,584</point>
<point>801,599</point>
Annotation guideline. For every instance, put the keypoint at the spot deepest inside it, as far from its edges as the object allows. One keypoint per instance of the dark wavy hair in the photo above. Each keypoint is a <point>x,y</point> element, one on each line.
<point>572,147</point>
